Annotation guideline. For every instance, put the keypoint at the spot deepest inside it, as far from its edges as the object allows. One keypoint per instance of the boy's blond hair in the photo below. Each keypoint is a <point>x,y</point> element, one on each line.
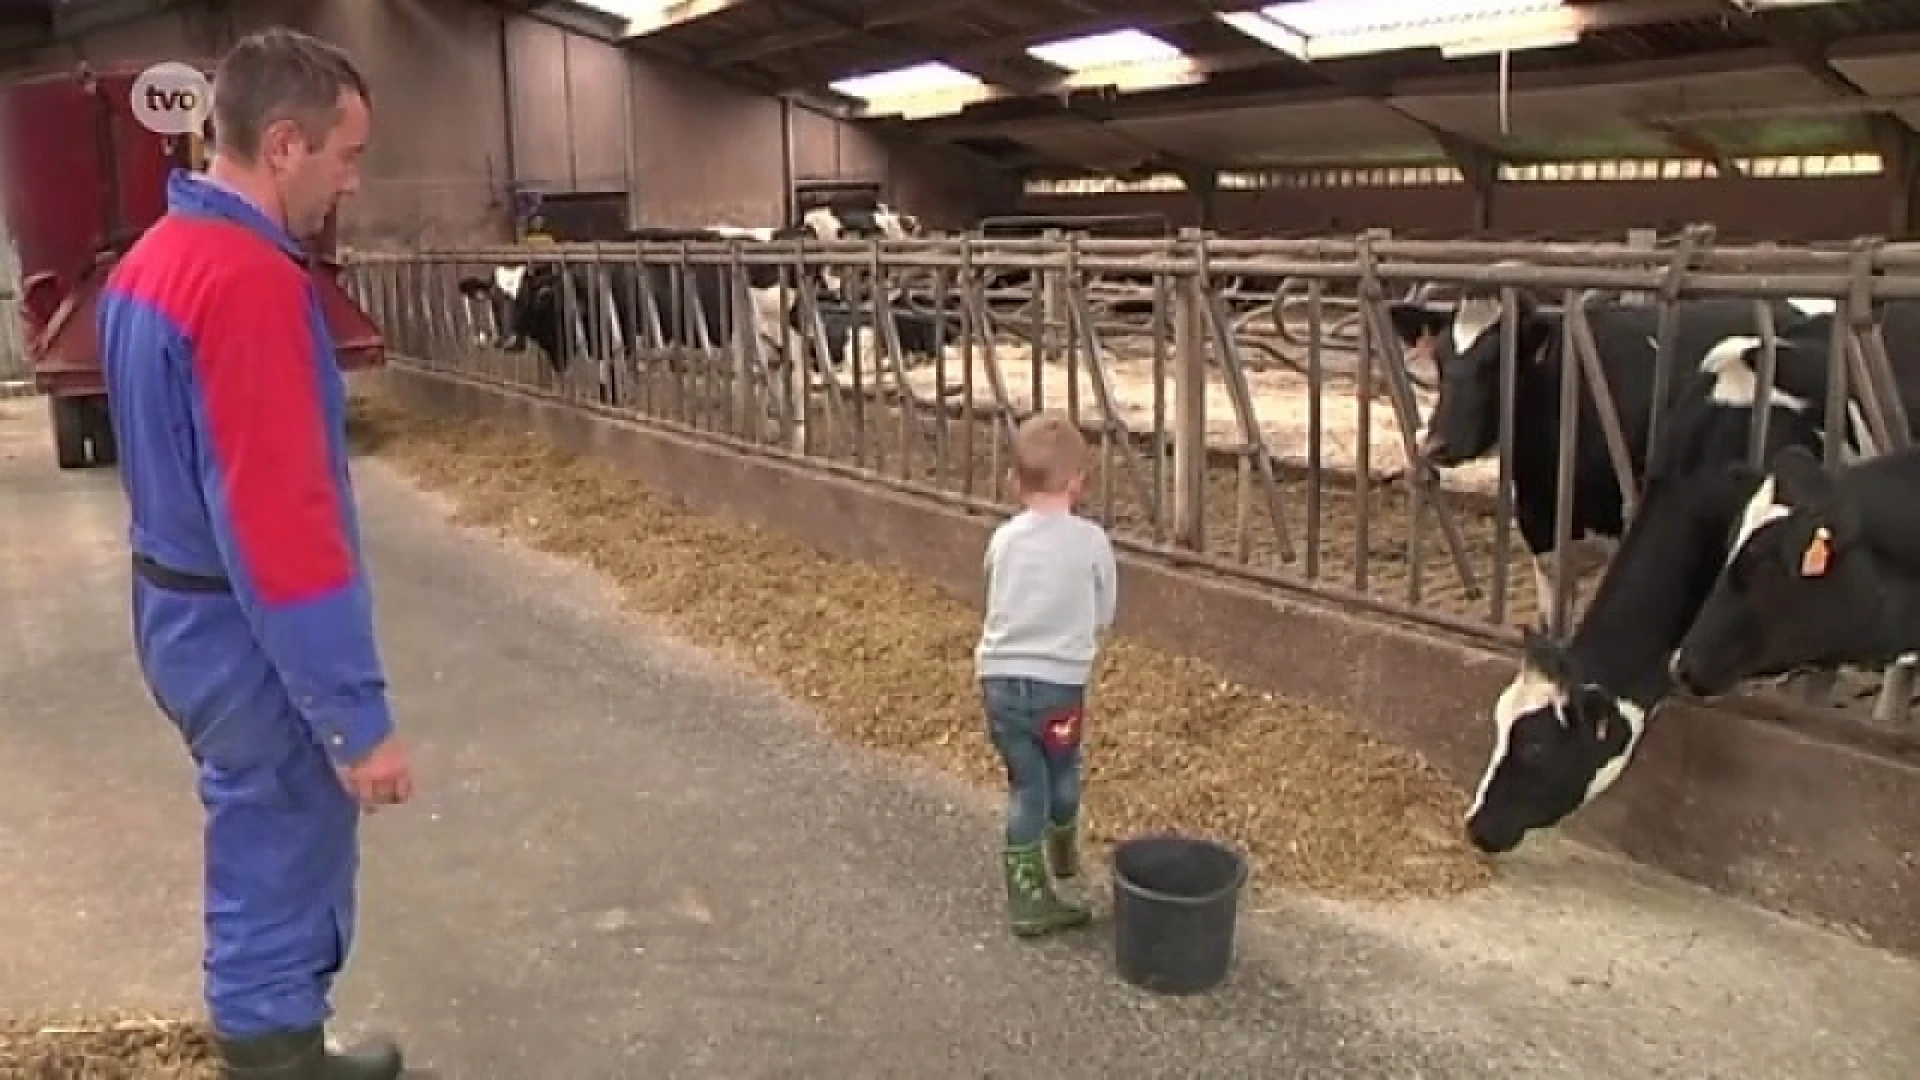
<point>1049,453</point>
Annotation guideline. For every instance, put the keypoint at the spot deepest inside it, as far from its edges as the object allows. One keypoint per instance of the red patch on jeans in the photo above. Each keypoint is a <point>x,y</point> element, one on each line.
<point>1060,731</point>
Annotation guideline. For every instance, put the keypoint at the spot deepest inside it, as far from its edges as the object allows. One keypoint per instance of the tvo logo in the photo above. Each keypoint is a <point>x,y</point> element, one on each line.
<point>172,98</point>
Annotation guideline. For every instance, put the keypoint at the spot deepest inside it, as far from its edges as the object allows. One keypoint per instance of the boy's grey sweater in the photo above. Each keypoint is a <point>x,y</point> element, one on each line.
<point>1051,591</point>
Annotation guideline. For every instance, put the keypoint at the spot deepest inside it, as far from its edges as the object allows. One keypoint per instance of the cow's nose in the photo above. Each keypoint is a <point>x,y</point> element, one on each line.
<point>1432,446</point>
<point>1681,672</point>
<point>1490,838</point>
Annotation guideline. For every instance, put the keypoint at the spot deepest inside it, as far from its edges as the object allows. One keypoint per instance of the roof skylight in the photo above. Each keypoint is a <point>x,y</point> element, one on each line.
<point>1123,59</point>
<point>1331,18</point>
<point>1112,49</point>
<point>1327,29</point>
<point>927,89</point>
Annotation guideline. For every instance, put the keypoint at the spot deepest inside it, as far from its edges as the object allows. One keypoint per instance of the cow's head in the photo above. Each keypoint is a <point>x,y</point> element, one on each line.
<point>893,224</point>
<point>1419,327</point>
<point>830,224</point>
<point>1466,349</point>
<point>1568,725</point>
<point>525,300</point>
<point>1560,740</point>
<point>1798,589</point>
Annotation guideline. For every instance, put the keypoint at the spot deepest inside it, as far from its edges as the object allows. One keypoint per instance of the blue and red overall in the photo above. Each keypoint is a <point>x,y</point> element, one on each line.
<point>251,612</point>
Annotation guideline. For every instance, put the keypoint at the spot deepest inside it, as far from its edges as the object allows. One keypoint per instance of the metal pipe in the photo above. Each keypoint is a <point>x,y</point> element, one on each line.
<point>891,414</point>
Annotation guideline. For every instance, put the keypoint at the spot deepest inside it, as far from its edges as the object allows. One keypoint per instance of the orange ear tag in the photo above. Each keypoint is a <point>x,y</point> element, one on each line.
<point>1813,562</point>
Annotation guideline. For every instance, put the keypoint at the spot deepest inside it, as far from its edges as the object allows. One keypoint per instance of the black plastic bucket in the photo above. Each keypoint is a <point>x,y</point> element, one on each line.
<point>1176,900</point>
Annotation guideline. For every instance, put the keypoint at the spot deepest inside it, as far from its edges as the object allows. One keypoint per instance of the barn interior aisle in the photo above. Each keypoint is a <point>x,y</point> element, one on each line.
<point>1415,346</point>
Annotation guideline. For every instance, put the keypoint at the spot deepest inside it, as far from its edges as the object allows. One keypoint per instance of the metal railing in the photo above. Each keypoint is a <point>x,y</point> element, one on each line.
<point>1225,383</point>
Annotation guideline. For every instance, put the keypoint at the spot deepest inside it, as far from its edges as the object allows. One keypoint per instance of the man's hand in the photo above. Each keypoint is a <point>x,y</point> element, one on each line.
<point>382,778</point>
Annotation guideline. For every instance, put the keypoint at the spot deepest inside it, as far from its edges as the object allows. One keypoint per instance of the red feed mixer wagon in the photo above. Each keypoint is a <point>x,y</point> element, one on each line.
<point>80,180</point>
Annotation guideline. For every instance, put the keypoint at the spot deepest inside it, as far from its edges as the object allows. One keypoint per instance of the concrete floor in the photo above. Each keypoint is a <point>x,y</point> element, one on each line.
<point>630,861</point>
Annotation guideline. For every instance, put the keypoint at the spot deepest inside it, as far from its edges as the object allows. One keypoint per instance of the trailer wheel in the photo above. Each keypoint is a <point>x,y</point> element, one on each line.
<point>106,448</point>
<point>69,431</point>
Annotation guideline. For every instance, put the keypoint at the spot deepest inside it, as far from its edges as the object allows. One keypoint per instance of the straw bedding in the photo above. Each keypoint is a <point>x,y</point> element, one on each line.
<point>884,661</point>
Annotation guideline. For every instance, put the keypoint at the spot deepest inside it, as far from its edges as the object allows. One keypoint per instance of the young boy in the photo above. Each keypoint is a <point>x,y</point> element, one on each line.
<point>1051,590</point>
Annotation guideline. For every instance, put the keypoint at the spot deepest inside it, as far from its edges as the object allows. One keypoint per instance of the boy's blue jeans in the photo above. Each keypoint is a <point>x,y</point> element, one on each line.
<point>1036,729</point>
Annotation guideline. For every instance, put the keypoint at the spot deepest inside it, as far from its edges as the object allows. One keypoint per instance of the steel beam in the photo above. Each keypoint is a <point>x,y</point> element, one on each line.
<point>761,46</point>
<point>1899,142</point>
<point>1693,144</point>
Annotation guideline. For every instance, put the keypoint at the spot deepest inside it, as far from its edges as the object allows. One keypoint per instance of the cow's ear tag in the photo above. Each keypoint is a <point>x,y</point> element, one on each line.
<point>1813,562</point>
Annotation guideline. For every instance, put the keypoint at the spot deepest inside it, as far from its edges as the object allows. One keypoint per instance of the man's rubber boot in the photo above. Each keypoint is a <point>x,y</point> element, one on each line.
<point>1032,907</point>
<point>1063,848</point>
<point>303,1055</point>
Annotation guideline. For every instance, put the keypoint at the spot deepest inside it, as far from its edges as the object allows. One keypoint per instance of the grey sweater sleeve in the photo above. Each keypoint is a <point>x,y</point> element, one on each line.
<point>1106,581</point>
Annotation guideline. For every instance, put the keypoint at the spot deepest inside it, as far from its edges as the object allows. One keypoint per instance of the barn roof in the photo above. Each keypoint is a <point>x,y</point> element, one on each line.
<point>1240,84</point>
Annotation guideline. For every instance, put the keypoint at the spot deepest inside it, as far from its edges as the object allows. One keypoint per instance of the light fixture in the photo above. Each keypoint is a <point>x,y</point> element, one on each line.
<point>1112,49</point>
<point>1122,59</point>
<point>1336,29</point>
<point>1260,27</point>
<point>914,92</point>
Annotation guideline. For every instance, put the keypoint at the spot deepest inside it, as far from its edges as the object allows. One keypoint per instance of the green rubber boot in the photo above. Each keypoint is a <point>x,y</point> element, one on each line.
<point>1063,848</point>
<point>1032,907</point>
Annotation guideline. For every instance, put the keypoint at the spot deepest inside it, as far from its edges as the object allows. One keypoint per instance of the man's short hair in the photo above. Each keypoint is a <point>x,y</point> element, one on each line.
<point>277,74</point>
<point>1049,450</point>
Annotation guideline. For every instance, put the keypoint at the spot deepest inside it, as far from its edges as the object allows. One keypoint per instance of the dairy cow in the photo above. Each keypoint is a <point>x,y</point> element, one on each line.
<point>525,299</point>
<point>1567,726</point>
<point>1824,571</point>
<point>1720,643</point>
<point>921,332</point>
<point>528,305</point>
<point>1465,423</point>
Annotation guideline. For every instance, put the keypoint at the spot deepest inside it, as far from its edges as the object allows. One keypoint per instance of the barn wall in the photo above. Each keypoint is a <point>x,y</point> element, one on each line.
<point>465,99</point>
<point>468,99</point>
<point>569,111</point>
<point>1789,210</point>
<point>706,152</point>
<point>1786,210</point>
<point>438,164</point>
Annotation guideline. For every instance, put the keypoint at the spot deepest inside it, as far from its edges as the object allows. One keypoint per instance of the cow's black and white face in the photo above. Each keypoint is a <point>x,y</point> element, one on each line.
<point>1465,423</point>
<point>525,301</point>
<point>829,224</point>
<point>486,289</point>
<point>1559,742</point>
<point>1797,590</point>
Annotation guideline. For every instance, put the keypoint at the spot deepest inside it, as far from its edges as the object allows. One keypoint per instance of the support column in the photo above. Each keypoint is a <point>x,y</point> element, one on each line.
<point>1480,167</point>
<point>1204,185</point>
<point>1900,150</point>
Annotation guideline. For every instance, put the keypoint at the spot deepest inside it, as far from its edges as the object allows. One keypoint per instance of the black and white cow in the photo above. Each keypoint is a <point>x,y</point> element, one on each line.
<point>921,331</point>
<point>830,223</point>
<point>1465,424</point>
<point>1568,724</point>
<point>1824,571</point>
<point>525,298</point>
<point>527,304</point>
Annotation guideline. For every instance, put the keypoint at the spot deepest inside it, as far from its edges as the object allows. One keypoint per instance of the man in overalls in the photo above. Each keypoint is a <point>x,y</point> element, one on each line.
<point>252,615</point>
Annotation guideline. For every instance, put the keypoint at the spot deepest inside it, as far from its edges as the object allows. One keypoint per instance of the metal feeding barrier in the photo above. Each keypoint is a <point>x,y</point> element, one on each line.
<point>1302,474</point>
